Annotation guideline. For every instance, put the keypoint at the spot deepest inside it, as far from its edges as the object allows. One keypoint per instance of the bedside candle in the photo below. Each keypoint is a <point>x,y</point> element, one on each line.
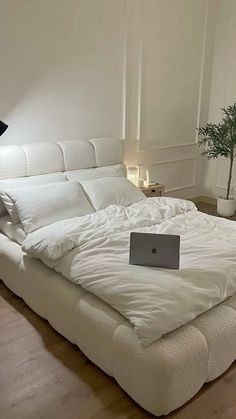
<point>146,182</point>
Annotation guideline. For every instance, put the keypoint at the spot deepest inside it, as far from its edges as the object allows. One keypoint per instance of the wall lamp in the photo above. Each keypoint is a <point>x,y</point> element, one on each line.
<point>3,127</point>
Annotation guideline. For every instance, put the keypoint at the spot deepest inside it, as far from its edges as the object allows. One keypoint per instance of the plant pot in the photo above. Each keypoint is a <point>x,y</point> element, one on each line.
<point>226,207</point>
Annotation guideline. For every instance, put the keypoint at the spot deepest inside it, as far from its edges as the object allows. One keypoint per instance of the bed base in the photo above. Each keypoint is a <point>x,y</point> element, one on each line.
<point>161,377</point>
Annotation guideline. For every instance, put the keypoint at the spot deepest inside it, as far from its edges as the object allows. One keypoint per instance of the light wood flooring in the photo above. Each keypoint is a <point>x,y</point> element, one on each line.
<point>211,209</point>
<point>43,376</point>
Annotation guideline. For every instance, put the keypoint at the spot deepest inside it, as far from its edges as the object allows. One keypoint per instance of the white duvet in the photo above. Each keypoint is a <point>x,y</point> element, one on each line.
<point>93,251</point>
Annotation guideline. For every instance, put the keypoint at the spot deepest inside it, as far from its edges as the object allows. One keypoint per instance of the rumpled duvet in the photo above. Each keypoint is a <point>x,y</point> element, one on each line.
<point>93,252</point>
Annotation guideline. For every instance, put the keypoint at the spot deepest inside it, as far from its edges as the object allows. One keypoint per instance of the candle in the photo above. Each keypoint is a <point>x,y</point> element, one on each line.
<point>147,179</point>
<point>141,183</point>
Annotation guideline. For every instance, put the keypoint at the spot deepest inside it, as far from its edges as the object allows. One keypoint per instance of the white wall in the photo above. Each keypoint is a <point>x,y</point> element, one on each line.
<point>169,73</point>
<point>223,91</point>
<point>61,69</point>
<point>137,69</point>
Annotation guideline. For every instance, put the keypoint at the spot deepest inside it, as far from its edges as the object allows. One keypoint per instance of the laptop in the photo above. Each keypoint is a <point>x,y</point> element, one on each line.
<point>159,250</point>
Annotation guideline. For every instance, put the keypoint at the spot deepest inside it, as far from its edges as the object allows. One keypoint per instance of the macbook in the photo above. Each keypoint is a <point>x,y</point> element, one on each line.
<point>159,250</point>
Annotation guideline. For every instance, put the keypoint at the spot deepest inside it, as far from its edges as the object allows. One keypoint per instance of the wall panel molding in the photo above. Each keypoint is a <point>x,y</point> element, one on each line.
<point>223,91</point>
<point>149,58</point>
<point>124,71</point>
<point>140,149</point>
<point>158,163</point>
<point>173,173</point>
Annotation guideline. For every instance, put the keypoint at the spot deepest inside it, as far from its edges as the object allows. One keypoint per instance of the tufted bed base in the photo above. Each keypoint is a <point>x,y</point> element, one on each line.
<point>167,373</point>
<point>161,377</point>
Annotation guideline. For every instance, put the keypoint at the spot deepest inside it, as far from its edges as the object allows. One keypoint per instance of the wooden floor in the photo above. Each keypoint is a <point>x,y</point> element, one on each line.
<point>43,376</point>
<point>211,209</point>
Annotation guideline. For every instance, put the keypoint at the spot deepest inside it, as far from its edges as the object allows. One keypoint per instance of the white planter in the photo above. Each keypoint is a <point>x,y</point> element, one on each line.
<point>226,207</point>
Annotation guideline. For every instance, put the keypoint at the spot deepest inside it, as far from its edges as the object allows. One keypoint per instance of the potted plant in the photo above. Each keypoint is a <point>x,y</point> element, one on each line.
<point>220,140</point>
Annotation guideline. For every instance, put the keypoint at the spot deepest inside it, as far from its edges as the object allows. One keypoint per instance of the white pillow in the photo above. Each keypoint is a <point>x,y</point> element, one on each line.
<point>111,190</point>
<point>38,206</point>
<point>118,170</point>
<point>6,203</point>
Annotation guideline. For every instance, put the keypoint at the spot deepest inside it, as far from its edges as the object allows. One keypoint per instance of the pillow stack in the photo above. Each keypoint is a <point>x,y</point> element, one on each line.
<point>38,206</point>
<point>42,200</point>
<point>111,191</point>
<point>6,204</point>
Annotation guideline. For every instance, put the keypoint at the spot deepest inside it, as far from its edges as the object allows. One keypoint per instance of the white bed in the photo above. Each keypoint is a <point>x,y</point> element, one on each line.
<point>160,377</point>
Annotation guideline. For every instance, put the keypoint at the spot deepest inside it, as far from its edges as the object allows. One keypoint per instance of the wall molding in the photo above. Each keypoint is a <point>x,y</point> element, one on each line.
<point>202,68</point>
<point>180,188</point>
<point>140,33</point>
<point>157,163</point>
<point>124,72</point>
<point>167,147</point>
<point>221,187</point>
<point>205,199</point>
<point>140,71</point>
<point>222,89</point>
<point>140,151</point>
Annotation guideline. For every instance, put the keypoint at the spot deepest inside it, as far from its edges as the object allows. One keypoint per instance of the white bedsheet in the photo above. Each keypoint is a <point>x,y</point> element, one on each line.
<point>92,251</point>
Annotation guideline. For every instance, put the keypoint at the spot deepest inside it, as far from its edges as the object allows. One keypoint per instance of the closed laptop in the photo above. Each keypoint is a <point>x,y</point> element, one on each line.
<point>158,250</point>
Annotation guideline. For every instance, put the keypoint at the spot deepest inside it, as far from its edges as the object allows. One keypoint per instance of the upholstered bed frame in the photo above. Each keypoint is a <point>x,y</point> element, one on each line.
<point>161,377</point>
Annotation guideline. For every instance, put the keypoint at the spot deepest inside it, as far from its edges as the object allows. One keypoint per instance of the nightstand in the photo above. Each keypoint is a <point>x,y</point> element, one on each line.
<point>155,190</point>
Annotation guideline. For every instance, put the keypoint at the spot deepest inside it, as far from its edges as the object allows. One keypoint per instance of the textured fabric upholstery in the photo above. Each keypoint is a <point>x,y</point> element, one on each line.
<point>80,157</point>
<point>108,151</point>
<point>39,158</point>
<point>116,170</point>
<point>162,376</point>
<point>43,158</point>
<point>13,162</point>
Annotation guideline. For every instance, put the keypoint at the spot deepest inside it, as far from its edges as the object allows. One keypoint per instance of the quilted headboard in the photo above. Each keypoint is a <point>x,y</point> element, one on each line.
<point>40,158</point>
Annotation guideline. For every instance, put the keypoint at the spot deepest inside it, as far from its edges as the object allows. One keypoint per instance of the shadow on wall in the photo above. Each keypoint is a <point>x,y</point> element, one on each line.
<point>61,78</point>
<point>28,51</point>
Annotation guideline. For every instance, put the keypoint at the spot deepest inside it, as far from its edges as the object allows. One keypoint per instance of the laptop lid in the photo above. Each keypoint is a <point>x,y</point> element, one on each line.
<point>158,250</point>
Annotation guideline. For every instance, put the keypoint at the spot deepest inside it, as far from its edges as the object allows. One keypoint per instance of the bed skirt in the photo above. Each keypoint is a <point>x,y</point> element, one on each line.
<point>161,377</point>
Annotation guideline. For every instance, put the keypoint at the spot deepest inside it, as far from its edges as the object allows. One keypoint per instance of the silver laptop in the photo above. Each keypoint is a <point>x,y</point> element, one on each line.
<point>159,250</point>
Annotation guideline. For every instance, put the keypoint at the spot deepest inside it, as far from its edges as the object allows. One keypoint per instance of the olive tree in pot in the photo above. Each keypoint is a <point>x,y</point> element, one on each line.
<point>220,140</point>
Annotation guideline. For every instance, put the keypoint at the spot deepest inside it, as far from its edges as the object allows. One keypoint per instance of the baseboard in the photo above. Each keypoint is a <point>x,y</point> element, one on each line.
<point>195,200</point>
<point>205,199</point>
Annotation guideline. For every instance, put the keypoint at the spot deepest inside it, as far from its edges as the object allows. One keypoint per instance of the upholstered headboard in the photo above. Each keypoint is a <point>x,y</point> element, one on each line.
<point>40,158</point>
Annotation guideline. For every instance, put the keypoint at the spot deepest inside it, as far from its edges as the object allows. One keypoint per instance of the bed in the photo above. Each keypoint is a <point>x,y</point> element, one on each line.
<point>160,376</point>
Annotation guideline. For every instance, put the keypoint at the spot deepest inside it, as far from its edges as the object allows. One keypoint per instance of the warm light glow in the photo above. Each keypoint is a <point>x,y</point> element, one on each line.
<point>132,174</point>
<point>147,181</point>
